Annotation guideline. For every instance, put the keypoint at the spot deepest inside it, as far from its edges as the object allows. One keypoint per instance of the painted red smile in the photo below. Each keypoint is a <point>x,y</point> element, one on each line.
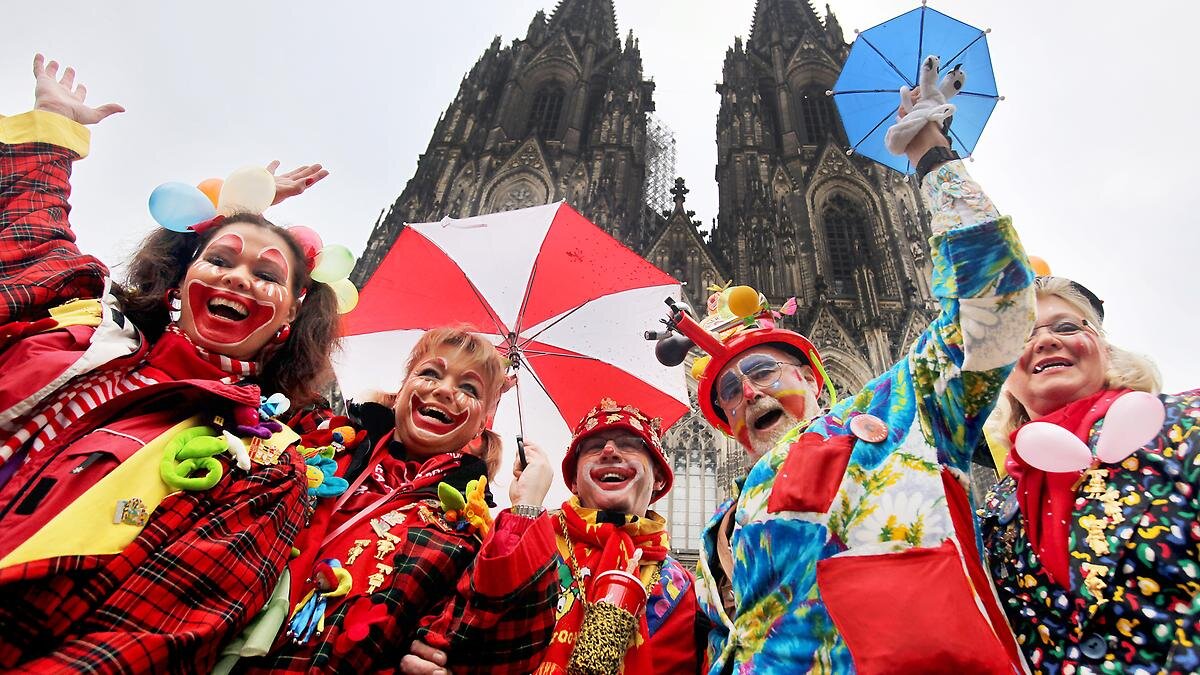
<point>435,418</point>
<point>611,477</point>
<point>225,318</point>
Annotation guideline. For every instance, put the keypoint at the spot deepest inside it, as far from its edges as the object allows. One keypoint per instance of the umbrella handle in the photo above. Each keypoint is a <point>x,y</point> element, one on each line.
<point>521,452</point>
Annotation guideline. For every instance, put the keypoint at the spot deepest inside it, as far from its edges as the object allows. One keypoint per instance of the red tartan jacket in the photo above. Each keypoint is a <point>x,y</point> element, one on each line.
<point>506,607</point>
<point>206,562</point>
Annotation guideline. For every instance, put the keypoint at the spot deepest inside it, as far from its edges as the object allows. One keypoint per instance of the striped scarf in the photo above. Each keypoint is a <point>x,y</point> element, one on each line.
<point>89,391</point>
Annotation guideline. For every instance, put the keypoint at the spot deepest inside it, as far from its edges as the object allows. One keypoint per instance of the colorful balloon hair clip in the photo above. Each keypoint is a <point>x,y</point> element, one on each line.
<point>180,207</point>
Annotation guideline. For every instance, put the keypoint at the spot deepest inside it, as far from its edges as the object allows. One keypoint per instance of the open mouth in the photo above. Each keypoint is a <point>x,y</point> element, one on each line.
<point>434,418</point>
<point>1051,364</point>
<point>767,419</point>
<point>228,309</point>
<point>612,476</point>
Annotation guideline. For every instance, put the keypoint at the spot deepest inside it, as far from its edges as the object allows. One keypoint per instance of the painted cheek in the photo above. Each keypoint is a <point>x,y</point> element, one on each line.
<point>792,400</point>
<point>205,267</point>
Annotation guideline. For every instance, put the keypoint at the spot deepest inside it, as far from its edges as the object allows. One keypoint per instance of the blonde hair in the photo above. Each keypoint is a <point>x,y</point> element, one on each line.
<point>1126,370</point>
<point>478,354</point>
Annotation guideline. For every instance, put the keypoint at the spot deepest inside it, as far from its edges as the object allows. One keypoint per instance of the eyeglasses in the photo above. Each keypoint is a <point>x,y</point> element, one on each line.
<point>761,370</point>
<point>1061,328</point>
<point>623,443</point>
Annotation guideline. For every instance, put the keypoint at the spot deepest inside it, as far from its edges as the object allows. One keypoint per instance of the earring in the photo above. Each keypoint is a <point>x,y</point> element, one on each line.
<point>174,305</point>
<point>282,334</point>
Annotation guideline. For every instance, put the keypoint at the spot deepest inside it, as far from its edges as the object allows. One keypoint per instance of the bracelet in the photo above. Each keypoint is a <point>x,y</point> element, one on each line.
<point>933,158</point>
<point>527,510</point>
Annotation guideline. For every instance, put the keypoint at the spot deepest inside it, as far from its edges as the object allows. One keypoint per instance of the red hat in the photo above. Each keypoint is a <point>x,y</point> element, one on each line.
<point>725,335</point>
<point>611,415</point>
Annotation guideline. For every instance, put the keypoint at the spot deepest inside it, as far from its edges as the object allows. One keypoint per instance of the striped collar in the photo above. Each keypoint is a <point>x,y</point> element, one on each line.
<point>225,363</point>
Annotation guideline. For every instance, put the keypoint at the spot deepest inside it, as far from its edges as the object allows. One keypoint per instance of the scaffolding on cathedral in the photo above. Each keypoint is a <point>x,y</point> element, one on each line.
<point>660,163</point>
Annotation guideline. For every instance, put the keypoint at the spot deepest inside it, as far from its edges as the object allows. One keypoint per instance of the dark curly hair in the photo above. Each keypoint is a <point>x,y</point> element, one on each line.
<point>299,367</point>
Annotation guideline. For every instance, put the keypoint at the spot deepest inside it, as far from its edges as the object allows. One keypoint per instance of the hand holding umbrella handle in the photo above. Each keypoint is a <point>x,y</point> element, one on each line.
<point>531,477</point>
<point>929,103</point>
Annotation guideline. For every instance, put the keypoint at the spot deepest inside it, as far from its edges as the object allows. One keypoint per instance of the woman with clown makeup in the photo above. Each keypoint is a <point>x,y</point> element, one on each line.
<point>1092,537</point>
<point>411,521</point>
<point>148,500</point>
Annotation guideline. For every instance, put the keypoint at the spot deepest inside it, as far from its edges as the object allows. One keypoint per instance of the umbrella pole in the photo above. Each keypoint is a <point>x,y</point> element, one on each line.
<point>515,358</point>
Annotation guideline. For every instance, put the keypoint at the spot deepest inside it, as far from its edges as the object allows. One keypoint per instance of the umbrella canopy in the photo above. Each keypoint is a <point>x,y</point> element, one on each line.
<point>564,300</point>
<point>889,56</point>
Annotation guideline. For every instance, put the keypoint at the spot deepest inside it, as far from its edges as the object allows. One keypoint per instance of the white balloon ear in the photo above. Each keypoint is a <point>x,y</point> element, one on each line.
<point>1051,448</point>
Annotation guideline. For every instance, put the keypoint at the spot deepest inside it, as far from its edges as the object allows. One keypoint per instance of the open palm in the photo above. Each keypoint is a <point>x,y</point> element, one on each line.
<point>64,96</point>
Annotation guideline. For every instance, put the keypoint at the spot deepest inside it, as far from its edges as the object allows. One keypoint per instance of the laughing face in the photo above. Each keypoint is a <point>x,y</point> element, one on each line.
<point>1064,360</point>
<point>615,472</point>
<point>442,404</point>
<point>765,405</point>
<point>238,292</point>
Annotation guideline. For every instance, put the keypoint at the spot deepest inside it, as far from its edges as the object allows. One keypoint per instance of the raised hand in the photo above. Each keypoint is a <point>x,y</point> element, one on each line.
<point>63,95</point>
<point>295,181</point>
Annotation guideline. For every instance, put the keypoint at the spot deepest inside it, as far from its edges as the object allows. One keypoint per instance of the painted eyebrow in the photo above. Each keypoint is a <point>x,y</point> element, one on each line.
<point>274,255</point>
<point>231,240</point>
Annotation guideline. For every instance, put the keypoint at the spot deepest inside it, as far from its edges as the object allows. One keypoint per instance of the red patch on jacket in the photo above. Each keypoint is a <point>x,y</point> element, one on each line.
<point>811,475</point>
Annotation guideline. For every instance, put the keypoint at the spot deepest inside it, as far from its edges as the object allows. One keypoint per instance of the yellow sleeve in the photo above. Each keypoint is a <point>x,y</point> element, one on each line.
<point>38,126</point>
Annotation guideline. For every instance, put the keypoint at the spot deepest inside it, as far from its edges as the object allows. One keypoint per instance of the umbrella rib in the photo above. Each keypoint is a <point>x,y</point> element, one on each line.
<point>976,94</point>
<point>863,37</point>
<point>534,352</point>
<point>921,41</point>
<point>533,337</point>
<point>964,49</point>
<point>867,91</point>
<point>538,380</point>
<point>877,125</point>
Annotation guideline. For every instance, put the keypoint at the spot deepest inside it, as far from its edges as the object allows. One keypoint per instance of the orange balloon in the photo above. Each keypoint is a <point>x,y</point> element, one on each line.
<point>211,188</point>
<point>1040,266</point>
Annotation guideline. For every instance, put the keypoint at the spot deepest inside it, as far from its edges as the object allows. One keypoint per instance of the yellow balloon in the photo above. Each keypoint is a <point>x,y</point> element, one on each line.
<point>346,294</point>
<point>699,365</point>
<point>743,301</point>
<point>1040,266</point>
<point>250,188</point>
<point>211,188</point>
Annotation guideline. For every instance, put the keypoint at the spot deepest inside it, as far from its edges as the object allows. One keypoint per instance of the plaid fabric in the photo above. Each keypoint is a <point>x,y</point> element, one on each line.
<point>515,627</point>
<point>372,633</point>
<point>200,570</point>
<point>40,265</point>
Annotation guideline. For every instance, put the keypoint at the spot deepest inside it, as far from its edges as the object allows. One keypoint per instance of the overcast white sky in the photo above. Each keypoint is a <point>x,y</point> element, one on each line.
<point>1093,153</point>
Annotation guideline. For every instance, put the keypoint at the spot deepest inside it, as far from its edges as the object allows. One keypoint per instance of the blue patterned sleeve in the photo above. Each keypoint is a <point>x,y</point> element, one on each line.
<point>984,284</point>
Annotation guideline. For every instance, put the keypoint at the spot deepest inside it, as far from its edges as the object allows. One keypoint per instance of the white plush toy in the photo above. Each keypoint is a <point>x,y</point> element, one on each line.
<point>931,105</point>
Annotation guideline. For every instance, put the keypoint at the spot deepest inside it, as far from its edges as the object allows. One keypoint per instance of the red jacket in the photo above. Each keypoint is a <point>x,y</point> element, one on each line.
<point>504,614</point>
<point>205,562</point>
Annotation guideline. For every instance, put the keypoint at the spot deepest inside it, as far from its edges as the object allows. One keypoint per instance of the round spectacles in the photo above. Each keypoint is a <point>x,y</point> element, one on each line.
<point>1061,328</point>
<point>623,443</point>
<point>762,371</point>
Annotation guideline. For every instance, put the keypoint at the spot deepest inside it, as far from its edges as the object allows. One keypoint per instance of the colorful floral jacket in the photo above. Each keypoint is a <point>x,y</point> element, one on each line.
<point>1135,561</point>
<point>849,554</point>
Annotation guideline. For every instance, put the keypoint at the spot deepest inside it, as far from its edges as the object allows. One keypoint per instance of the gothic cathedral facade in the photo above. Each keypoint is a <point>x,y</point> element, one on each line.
<point>563,114</point>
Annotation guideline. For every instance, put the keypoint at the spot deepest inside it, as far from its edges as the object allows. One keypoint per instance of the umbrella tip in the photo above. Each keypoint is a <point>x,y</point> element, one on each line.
<point>850,152</point>
<point>988,31</point>
<point>856,31</point>
<point>829,92</point>
<point>1001,98</point>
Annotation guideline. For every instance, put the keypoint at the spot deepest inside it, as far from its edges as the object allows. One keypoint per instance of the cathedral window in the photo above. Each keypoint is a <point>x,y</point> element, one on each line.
<point>845,225</point>
<point>816,116</point>
<point>546,111</point>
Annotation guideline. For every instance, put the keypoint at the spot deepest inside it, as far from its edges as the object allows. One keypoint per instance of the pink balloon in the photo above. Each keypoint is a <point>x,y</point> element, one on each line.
<point>1052,448</point>
<point>308,239</point>
<point>1133,420</point>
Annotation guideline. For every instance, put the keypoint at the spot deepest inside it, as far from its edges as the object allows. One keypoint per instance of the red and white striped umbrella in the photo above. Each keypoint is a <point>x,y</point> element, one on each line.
<point>563,299</point>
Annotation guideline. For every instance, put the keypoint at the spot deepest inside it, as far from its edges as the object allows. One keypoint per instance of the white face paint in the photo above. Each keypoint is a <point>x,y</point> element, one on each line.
<point>237,294</point>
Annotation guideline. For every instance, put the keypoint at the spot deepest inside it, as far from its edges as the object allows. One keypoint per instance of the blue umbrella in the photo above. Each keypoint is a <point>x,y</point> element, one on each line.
<point>888,56</point>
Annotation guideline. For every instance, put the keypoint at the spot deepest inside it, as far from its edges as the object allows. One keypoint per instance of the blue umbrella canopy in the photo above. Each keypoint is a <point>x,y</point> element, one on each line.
<point>888,56</point>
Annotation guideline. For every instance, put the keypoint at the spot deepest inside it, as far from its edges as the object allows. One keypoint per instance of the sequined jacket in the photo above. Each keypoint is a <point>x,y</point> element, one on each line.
<point>845,551</point>
<point>1134,561</point>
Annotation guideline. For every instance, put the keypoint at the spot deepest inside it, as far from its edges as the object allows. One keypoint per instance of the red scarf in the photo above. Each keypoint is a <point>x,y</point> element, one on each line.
<point>601,547</point>
<point>1047,500</point>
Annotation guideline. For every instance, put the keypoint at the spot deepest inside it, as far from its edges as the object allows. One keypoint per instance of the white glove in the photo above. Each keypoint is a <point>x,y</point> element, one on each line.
<point>930,106</point>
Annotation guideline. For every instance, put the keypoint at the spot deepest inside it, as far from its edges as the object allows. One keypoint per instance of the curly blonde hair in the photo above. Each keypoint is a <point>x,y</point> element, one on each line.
<point>1126,370</point>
